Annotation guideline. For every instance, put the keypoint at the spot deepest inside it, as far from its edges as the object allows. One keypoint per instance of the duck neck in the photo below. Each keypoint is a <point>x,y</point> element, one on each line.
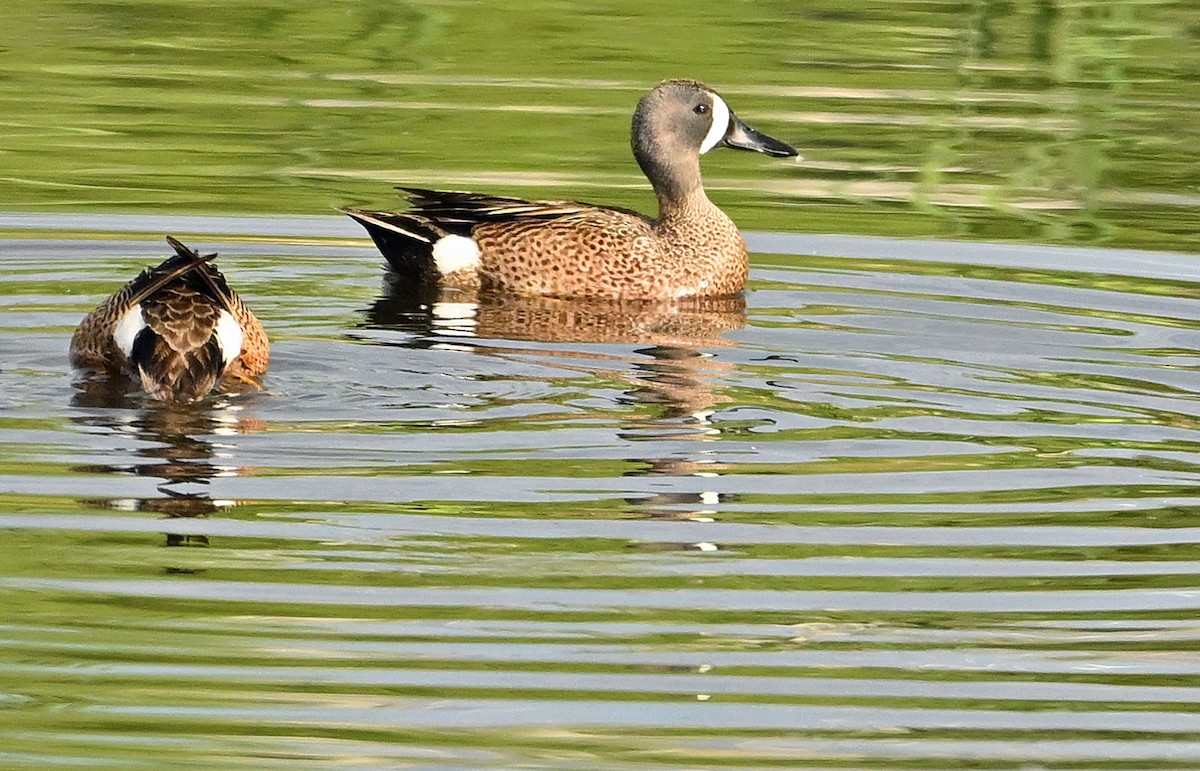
<point>675,177</point>
<point>676,210</point>
<point>679,191</point>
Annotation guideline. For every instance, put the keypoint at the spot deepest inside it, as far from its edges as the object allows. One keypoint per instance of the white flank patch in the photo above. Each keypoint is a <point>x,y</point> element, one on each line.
<point>126,330</point>
<point>720,125</point>
<point>454,253</point>
<point>229,337</point>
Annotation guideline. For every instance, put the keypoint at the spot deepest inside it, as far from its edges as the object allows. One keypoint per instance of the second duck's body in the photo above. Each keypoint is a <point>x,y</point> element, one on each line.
<point>177,330</point>
<point>571,249</point>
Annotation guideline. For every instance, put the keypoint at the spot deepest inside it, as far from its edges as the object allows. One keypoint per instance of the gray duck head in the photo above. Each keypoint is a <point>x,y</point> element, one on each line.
<point>680,120</point>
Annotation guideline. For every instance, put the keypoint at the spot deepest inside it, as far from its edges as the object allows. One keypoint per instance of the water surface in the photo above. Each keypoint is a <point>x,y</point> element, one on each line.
<point>926,498</point>
<point>912,502</point>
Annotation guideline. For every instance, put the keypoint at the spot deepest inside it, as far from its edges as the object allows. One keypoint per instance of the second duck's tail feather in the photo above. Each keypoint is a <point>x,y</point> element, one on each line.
<point>152,280</point>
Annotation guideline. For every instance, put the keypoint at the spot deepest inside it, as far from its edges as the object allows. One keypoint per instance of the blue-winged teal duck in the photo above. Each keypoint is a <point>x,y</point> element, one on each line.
<point>571,249</point>
<point>178,330</point>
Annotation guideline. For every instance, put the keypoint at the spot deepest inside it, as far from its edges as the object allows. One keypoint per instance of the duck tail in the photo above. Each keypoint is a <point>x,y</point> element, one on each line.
<point>405,240</point>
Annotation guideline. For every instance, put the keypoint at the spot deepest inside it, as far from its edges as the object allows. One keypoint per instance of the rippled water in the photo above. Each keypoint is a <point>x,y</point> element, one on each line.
<point>916,503</point>
<point>913,504</point>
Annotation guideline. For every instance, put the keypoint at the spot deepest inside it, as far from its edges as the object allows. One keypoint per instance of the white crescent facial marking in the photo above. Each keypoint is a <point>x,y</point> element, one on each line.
<point>127,328</point>
<point>229,337</point>
<point>454,253</point>
<point>720,124</point>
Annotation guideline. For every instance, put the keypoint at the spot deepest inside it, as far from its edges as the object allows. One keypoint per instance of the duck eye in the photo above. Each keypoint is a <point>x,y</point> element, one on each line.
<point>700,109</point>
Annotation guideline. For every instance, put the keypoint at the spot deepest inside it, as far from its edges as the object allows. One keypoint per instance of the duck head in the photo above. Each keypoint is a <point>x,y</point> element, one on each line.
<point>680,120</point>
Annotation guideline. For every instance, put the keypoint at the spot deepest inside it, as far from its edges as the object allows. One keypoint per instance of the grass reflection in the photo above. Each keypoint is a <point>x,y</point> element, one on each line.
<point>1042,121</point>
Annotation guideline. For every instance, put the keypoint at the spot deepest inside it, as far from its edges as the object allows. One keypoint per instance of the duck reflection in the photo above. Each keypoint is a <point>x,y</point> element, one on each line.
<point>672,375</point>
<point>689,324</point>
<point>681,382</point>
<point>177,443</point>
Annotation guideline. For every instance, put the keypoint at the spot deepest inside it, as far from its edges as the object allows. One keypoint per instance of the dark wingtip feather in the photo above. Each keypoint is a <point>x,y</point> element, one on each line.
<point>181,249</point>
<point>174,268</point>
<point>186,252</point>
<point>189,261</point>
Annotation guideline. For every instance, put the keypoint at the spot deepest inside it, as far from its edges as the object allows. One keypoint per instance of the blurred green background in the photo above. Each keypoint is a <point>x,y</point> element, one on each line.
<point>1032,120</point>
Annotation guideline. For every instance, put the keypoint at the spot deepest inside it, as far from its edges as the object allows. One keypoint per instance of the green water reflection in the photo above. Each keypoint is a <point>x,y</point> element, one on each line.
<point>1034,120</point>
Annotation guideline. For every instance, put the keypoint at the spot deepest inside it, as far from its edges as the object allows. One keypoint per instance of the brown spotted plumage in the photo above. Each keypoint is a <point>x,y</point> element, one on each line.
<point>177,330</point>
<point>571,249</point>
